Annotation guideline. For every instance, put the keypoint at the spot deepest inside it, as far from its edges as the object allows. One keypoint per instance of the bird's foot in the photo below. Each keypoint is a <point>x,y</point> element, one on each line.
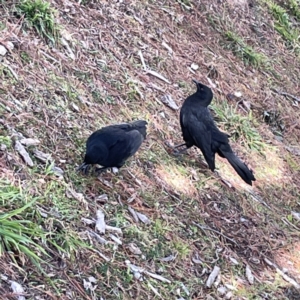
<point>84,168</point>
<point>177,152</point>
<point>98,171</point>
<point>168,144</point>
<point>176,149</point>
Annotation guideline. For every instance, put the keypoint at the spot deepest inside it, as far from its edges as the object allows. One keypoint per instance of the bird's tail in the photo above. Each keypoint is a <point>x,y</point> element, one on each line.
<point>140,125</point>
<point>244,172</point>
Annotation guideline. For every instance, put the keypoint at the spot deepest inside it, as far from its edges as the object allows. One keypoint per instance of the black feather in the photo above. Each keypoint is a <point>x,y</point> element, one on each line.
<point>200,130</point>
<point>112,145</point>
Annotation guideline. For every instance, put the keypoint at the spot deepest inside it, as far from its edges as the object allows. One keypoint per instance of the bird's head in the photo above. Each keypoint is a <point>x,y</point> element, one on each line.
<point>203,91</point>
<point>201,87</point>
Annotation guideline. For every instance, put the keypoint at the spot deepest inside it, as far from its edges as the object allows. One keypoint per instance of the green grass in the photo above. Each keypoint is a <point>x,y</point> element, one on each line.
<point>240,48</point>
<point>185,4</point>
<point>240,127</point>
<point>39,15</point>
<point>292,163</point>
<point>23,230</point>
<point>236,43</point>
<point>181,248</point>
<point>175,193</point>
<point>6,140</point>
<point>293,6</point>
<point>25,57</point>
<point>18,234</point>
<point>283,24</point>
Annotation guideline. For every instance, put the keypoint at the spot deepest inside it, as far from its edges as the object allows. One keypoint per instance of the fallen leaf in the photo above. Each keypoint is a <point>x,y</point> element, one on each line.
<point>249,275</point>
<point>22,151</point>
<point>212,277</point>
<point>17,289</point>
<point>100,223</point>
<point>134,249</point>
<point>168,100</point>
<point>29,142</point>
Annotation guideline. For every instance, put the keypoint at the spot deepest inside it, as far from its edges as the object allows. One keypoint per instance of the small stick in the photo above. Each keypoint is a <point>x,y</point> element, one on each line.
<point>284,276</point>
<point>286,95</point>
<point>48,56</point>
<point>142,60</point>
<point>153,73</point>
<point>213,230</point>
<point>158,76</point>
<point>11,70</point>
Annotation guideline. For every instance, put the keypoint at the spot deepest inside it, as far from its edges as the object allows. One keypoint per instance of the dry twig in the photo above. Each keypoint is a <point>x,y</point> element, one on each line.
<point>213,230</point>
<point>286,95</point>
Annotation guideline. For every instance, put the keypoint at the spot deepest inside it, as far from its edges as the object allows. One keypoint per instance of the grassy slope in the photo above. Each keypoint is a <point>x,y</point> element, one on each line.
<point>60,100</point>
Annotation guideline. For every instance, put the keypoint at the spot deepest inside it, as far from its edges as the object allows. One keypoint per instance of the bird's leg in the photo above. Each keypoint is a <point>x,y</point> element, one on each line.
<point>98,171</point>
<point>84,168</point>
<point>177,151</point>
<point>181,145</point>
<point>175,148</point>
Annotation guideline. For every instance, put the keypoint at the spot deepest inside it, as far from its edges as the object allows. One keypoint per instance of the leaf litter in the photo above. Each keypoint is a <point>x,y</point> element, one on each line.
<point>146,45</point>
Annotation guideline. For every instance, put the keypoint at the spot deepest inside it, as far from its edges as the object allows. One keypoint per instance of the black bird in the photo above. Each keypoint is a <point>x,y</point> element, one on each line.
<point>112,145</point>
<point>199,129</point>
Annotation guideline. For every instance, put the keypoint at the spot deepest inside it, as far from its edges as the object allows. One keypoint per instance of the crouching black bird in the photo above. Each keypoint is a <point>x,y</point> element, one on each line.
<point>112,145</point>
<point>200,130</point>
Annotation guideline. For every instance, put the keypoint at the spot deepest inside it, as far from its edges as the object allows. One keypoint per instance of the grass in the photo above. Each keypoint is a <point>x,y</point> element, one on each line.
<point>240,48</point>
<point>240,127</point>
<point>39,15</point>
<point>28,231</point>
<point>18,235</point>
<point>294,8</point>
<point>5,140</point>
<point>61,101</point>
<point>236,43</point>
<point>292,163</point>
<point>283,24</point>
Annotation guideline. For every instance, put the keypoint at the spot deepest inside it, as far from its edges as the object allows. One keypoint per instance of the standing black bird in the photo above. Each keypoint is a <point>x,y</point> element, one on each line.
<point>199,129</point>
<point>112,145</point>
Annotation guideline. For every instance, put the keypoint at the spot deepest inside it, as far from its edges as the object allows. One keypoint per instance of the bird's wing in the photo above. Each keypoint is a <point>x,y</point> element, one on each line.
<point>100,143</point>
<point>108,136</point>
<point>96,152</point>
<point>128,143</point>
<point>111,146</point>
<point>134,140</point>
<point>201,133</point>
